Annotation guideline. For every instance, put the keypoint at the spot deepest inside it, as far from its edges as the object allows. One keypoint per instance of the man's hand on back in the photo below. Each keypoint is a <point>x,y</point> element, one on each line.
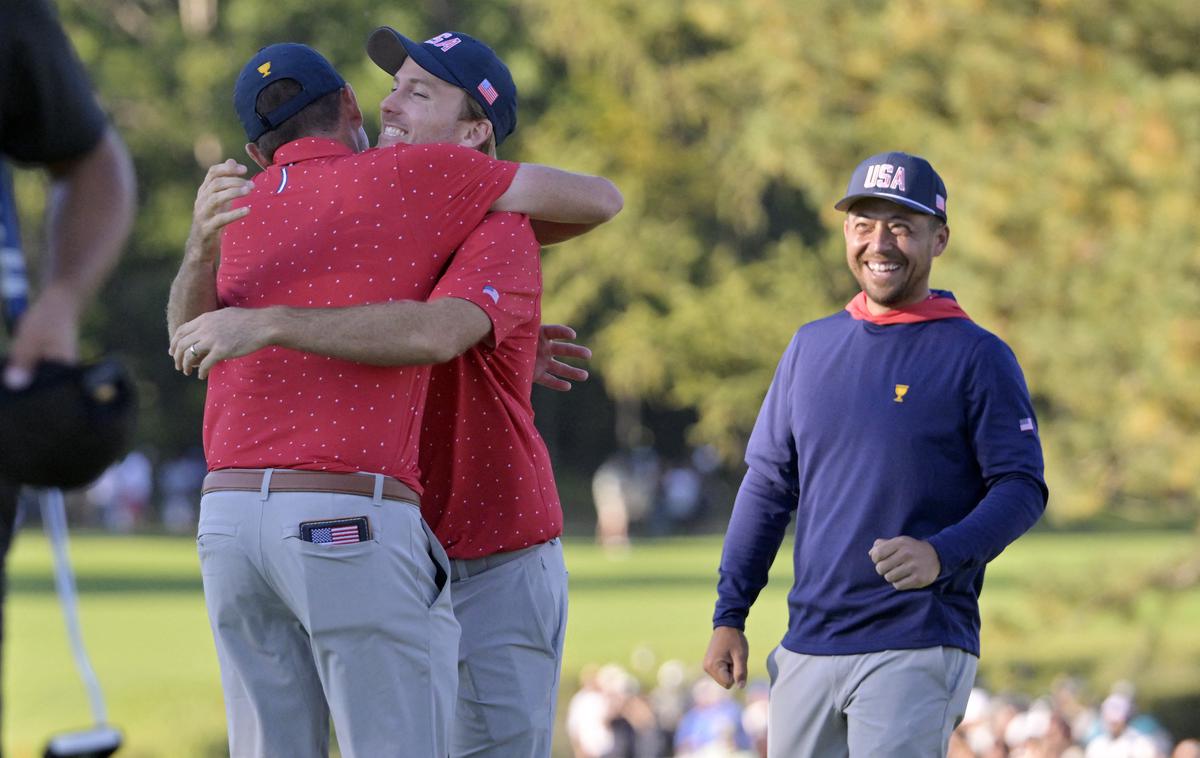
<point>220,335</point>
<point>550,372</point>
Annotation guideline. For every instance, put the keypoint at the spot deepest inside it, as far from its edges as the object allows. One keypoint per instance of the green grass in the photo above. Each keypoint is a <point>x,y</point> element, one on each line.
<point>143,619</point>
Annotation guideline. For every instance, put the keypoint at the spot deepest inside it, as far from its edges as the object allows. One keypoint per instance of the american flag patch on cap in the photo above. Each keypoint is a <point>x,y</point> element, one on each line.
<point>488,91</point>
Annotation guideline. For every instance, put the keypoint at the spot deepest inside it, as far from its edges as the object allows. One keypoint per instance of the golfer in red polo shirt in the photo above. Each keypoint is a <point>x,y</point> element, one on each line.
<point>325,590</point>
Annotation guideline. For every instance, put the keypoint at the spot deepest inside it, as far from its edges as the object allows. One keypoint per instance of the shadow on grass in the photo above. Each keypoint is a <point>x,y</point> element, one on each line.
<point>25,584</point>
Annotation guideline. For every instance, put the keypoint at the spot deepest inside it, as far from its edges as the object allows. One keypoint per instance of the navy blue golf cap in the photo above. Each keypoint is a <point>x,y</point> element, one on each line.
<point>288,60</point>
<point>901,178</point>
<point>458,59</point>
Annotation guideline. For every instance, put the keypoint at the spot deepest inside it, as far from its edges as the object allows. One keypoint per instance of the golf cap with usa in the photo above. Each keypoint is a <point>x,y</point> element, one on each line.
<point>287,60</point>
<point>901,178</point>
<point>457,59</point>
<point>68,425</point>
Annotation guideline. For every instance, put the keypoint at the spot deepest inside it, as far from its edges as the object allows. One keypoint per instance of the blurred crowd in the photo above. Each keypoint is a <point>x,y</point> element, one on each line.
<point>613,716</point>
<point>639,489</point>
<point>138,492</point>
<point>1063,724</point>
<point>135,492</point>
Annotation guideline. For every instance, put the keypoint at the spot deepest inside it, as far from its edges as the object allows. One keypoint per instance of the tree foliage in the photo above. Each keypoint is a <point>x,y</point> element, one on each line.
<point>1068,133</point>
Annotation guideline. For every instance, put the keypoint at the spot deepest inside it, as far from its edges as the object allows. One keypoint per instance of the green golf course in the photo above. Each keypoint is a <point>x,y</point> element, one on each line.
<point>1092,604</point>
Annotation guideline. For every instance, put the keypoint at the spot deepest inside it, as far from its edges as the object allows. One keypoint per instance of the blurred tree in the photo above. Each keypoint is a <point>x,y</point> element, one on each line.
<point>1068,132</point>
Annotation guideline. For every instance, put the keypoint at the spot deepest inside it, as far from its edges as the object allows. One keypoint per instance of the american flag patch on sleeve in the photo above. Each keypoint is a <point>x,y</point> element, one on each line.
<point>336,532</point>
<point>1026,425</point>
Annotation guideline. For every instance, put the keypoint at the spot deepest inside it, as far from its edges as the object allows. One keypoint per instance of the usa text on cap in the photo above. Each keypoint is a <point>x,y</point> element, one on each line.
<point>458,59</point>
<point>901,178</point>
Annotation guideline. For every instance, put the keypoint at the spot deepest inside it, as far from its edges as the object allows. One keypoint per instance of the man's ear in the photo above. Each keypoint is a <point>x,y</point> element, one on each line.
<point>349,104</point>
<point>941,240</point>
<point>477,134</point>
<point>256,155</point>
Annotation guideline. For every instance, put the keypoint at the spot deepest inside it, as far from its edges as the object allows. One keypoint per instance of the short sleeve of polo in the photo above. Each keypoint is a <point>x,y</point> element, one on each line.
<point>47,110</point>
<point>497,269</point>
<point>452,188</point>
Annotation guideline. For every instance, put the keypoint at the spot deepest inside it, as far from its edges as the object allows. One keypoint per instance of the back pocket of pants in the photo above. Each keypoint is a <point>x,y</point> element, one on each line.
<point>213,538</point>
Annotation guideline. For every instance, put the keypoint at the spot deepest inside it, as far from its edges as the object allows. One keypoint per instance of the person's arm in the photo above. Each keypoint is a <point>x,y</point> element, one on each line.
<point>554,195</point>
<point>552,233</point>
<point>400,333</point>
<point>765,501</point>
<point>194,290</point>
<point>1003,432</point>
<point>89,214</point>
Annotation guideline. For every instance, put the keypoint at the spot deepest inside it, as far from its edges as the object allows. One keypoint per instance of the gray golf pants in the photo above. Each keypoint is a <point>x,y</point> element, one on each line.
<point>303,631</point>
<point>514,618</point>
<point>890,704</point>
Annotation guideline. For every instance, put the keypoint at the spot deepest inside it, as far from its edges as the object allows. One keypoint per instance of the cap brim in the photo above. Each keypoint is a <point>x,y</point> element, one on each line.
<point>389,48</point>
<point>849,200</point>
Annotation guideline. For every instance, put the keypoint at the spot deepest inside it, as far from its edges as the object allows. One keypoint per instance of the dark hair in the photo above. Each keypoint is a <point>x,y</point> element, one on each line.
<point>321,115</point>
<point>472,111</point>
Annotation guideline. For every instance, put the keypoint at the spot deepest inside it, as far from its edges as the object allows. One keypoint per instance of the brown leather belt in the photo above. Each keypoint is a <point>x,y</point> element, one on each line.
<point>296,480</point>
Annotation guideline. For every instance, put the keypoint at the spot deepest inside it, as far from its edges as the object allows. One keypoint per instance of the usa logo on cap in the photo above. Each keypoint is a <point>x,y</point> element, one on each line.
<point>900,178</point>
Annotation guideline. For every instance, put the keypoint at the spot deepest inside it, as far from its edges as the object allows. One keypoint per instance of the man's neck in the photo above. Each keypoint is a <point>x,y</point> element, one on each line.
<point>878,309</point>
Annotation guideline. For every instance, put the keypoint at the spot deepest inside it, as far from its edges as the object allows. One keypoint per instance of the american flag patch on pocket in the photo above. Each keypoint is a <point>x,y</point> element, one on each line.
<point>344,531</point>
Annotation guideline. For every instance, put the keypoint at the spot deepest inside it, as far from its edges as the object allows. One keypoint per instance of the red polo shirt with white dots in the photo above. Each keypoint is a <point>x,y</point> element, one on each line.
<point>489,487</point>
<point>330,228</point>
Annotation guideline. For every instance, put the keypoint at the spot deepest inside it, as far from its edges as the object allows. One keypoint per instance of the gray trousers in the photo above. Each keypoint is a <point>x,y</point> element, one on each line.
<point>514,619</point>
<point>890,704</point>
<point>303,631</point>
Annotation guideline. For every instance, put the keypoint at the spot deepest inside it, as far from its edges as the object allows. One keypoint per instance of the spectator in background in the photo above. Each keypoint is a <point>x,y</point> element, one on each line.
<point>632,719</point>
<point>680,501</point>
<point>49,117</point>
<point>670,699</point>
<point>135,483</point>
<point>179,481</point>
<point>1066,692</point>
<point>1040,732</point>
<point>974,734</point>
<point>1119,740</point>
<point>713,725</point>
<point>587,718</point>
<point>609,718</point>
<point>624,489</point>
<point>754,717</point>
<point>101,496</point>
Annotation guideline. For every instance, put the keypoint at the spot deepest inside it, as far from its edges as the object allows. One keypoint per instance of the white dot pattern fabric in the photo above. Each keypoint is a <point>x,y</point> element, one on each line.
<point>344,229</point>
<point>489,486</point>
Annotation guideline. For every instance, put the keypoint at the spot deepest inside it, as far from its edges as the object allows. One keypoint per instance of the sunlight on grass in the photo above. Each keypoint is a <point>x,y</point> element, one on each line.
<point>1052,603</point>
